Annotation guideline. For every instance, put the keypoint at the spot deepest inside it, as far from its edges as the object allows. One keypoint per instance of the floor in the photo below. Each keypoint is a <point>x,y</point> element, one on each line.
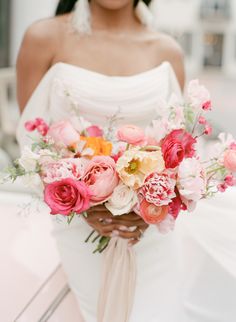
<point>33,286</point>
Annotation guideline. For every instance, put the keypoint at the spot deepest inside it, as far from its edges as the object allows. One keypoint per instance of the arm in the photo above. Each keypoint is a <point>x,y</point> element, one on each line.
<point>35,58</point>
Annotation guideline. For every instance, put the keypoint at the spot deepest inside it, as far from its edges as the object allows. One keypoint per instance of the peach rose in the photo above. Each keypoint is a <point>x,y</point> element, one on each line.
<point>101,178</point>
<point>131,134</point>
<point>230,160</point>
<point>63,133</point>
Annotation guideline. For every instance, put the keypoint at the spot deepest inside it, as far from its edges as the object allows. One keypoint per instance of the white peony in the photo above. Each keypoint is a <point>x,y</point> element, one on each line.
<point>122,200</point>
<point>191,180</point>
<point>28,159</point>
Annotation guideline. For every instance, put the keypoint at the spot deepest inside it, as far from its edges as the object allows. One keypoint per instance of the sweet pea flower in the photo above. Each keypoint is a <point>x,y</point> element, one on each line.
<point>191,180</point>
<point>208,129</point>
<point>202,120</point>
<point>38,124</point>
<point>230,180</point>
<point>199,96</point>
<point>94,131</point>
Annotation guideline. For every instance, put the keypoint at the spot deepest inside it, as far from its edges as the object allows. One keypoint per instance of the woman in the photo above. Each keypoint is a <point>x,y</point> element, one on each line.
<point>110,61</point>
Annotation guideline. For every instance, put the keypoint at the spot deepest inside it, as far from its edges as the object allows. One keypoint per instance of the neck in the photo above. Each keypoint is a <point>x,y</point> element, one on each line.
<point>113,19</point>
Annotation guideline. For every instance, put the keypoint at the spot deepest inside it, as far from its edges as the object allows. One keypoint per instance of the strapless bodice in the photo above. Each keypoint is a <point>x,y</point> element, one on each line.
<point>68,90</point>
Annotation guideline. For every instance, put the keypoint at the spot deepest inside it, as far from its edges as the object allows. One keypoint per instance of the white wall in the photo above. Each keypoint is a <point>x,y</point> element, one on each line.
<point>24,12</point>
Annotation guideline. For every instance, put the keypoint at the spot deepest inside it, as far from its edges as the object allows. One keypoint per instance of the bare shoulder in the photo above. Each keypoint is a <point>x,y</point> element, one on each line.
<point>38,49</point>
<point>170,50</point>
<point>43,33</point>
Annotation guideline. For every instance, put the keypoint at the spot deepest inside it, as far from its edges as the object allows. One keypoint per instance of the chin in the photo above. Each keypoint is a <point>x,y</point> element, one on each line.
<point>113,4</point>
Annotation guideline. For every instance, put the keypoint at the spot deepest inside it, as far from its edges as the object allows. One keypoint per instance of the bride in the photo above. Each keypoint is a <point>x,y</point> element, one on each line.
<point>98,59</point>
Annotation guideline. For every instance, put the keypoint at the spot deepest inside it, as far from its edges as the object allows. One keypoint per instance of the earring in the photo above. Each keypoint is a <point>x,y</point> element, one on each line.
<point>81,18</point>
<point>144,14</point>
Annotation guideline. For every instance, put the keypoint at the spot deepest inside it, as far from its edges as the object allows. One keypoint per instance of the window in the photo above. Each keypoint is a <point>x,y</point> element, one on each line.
<point>4,32</point>
<point>215,9</point>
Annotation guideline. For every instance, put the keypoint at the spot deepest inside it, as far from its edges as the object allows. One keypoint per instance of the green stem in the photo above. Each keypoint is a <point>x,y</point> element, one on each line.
<point>90,235</point>
<point>69,219</point>
<point>93,241</point>
<point>215,170</point>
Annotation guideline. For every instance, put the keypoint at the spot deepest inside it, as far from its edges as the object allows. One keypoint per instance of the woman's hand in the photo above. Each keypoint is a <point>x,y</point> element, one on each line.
<point>128,226</point>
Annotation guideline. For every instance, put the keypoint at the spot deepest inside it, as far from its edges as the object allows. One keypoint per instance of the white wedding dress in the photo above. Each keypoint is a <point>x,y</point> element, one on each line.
<point>181,276</point>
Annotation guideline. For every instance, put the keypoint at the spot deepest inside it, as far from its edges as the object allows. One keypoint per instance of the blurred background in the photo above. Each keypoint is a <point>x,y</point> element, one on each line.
<point>33,287</point>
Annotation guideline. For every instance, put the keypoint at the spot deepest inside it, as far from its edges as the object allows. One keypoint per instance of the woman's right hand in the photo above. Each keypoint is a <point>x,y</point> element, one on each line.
<point>129,226</point>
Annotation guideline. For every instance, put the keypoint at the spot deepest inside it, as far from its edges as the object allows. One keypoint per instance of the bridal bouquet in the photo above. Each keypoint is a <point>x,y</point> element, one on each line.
<point>156,172</point>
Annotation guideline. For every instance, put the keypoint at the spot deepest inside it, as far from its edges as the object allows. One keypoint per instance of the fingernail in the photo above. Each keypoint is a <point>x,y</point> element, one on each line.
<point>133,228</point>
<point>115,233</point>
<point>108,220</point>
<point>123,228</point>
<point>100,219</point>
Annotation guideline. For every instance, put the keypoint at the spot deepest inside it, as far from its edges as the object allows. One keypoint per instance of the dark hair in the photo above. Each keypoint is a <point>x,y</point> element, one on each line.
<point>66,6</point>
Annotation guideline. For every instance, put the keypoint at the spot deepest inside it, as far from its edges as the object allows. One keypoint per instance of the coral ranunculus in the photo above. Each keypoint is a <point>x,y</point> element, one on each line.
<point>67,196</point>
<point>176,146</point>
<point>101,178</point>
<point>131,134</point>
<point>152,214</point>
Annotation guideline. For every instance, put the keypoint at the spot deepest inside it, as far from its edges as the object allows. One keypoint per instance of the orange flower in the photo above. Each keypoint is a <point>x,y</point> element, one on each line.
<point>98,145</point>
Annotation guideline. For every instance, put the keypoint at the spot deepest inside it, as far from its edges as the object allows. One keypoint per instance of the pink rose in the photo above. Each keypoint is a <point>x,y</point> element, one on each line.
<point>176,146</point>
<point>64,133</point>
<point>94,131</point>
<point>152,214</point>
<point>131,134</point>
<point>158,189</point>
<point>67,196</point>
<point>230,160</point>
<point>101,178</point>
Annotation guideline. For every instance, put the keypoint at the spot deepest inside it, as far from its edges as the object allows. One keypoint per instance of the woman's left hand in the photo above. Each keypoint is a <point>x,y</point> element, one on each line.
<point>128,226</point>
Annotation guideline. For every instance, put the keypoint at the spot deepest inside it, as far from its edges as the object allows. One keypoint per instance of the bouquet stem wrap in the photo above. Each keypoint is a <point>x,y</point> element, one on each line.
<point>118,282</point>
